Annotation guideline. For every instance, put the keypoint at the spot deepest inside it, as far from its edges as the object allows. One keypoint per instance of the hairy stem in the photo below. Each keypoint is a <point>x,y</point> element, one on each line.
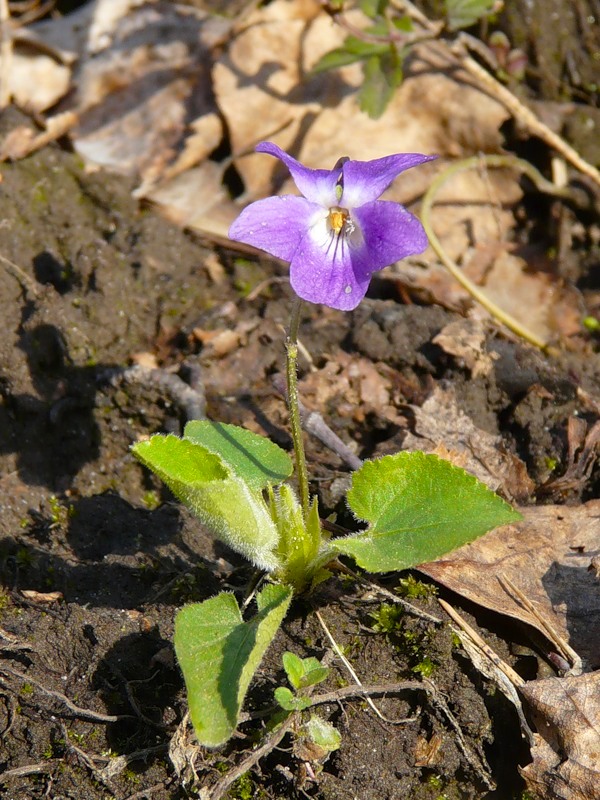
<point>291,347</point>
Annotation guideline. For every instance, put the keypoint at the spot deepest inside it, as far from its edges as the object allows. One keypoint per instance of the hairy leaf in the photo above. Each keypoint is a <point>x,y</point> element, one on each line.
<point>253,458</point>
<point>418,507</point>
<point>219,653</point>
<point>228,507</point>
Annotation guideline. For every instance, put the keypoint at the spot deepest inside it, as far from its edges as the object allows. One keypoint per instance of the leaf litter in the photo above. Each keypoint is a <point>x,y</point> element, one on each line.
<point>252,73</point>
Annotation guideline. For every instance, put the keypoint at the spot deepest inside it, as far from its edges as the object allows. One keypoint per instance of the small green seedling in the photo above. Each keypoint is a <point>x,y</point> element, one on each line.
<point>301,673</point>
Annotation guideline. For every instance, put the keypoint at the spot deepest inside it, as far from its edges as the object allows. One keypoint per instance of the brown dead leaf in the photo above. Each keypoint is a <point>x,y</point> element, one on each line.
<point>547,557</point>
<point>427,752</point>
<point>37,80</point>
<point>42,598</point>
<point>355,385</point>
<point>143,85</point>
<point>218,343</point>
<point>465,339</point>
<point>145,359</point>
<point>440,421</point>
<point>566,753</point>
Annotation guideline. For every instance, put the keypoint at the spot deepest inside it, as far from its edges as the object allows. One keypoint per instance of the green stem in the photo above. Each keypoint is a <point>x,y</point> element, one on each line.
<point>473,163</point>
<point>291,347</point>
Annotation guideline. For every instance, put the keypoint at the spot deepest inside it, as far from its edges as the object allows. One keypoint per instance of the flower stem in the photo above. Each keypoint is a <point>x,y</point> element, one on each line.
<point>291,347</point>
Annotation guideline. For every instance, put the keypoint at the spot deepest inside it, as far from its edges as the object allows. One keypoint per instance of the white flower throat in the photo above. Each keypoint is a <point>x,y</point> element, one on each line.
<point>339,221</point>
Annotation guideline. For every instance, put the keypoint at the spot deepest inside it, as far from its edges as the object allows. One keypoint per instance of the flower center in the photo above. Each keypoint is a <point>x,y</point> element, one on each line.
<point>339,220</point>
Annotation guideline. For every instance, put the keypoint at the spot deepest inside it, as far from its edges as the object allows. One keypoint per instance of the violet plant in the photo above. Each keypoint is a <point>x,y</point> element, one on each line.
<point>415,507</point>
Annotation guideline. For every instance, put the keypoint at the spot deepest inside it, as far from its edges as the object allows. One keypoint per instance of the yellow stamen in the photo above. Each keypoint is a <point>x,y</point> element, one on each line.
<point>337,218</point>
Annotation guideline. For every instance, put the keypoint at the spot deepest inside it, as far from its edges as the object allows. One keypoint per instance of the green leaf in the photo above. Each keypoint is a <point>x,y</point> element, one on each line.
<point>224,503</point>
<point>289,701</point>
<point>418,507</point>
<point>383,75</point>
<point>219,653</point>
<point>373,8</point>
<point>350,52</point>
<point>464,13</point>
<point>314,675</point>
<point>323,734</point>
<point>294,668</point>
<point>253,458</point>
<point>303,672</point>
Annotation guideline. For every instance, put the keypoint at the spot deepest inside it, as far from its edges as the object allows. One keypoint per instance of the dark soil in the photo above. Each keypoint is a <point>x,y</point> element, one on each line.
<point>90,696</point>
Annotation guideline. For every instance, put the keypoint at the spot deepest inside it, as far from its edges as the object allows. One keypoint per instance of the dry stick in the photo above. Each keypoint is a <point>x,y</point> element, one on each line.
<point>522,114</point>
<point>221,787</point>
<point>355,677</point>
<point>26,283</point>
<point>417,612</point>
<point>190,399</point>
<point>470,756</point>
<point>30,769</point>
<point>363,690</point>
<point>552,634</point>
<point>513,676</point>
<point>81,713</point>
<point>496,161</point>
<point>313,423</point>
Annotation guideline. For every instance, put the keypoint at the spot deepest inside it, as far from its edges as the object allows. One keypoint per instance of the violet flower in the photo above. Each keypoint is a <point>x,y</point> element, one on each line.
<point>338,233</point>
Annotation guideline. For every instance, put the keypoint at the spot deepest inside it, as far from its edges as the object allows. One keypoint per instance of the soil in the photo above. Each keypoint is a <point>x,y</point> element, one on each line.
<point>91,700</point>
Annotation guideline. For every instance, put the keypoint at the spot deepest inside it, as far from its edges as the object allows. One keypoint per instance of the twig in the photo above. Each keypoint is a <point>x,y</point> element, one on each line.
<point>30,769</point>
<point>190,399</point>
<point>80,713</point>
<point>417,612</point>
<point>553,635</point>
<point>495,161</point>
<point>313,423</point>
<point>513,676</point>
<point>355,677</point>
<point>505,677</point>
<point>472,759</point>
<point>251,760</point>
<point>364,690</point>
<point>524,116</point>
<point>26,283</point>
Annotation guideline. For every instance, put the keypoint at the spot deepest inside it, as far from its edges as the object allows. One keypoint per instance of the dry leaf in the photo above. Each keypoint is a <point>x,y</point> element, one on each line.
<point>42,598</point>
<point>143,84</point>
<point>440,421</point>
<point>547,557</point>
<point>465,339</point>
<point>566,753</point>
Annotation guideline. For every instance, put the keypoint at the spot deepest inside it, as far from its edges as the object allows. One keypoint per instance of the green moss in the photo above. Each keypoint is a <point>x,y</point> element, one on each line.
<point>243,788</point>
<point>411,588</point>
<point>151,499</point>
<point>425,668</point>
<point>387,619</point>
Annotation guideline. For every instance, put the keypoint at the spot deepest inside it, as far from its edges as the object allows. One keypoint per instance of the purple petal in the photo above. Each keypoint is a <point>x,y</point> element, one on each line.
<point>275,224</point>
<point>365,181</point>
<point>317,185</point>
<point>390,233</point>
<point>323,271</point>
